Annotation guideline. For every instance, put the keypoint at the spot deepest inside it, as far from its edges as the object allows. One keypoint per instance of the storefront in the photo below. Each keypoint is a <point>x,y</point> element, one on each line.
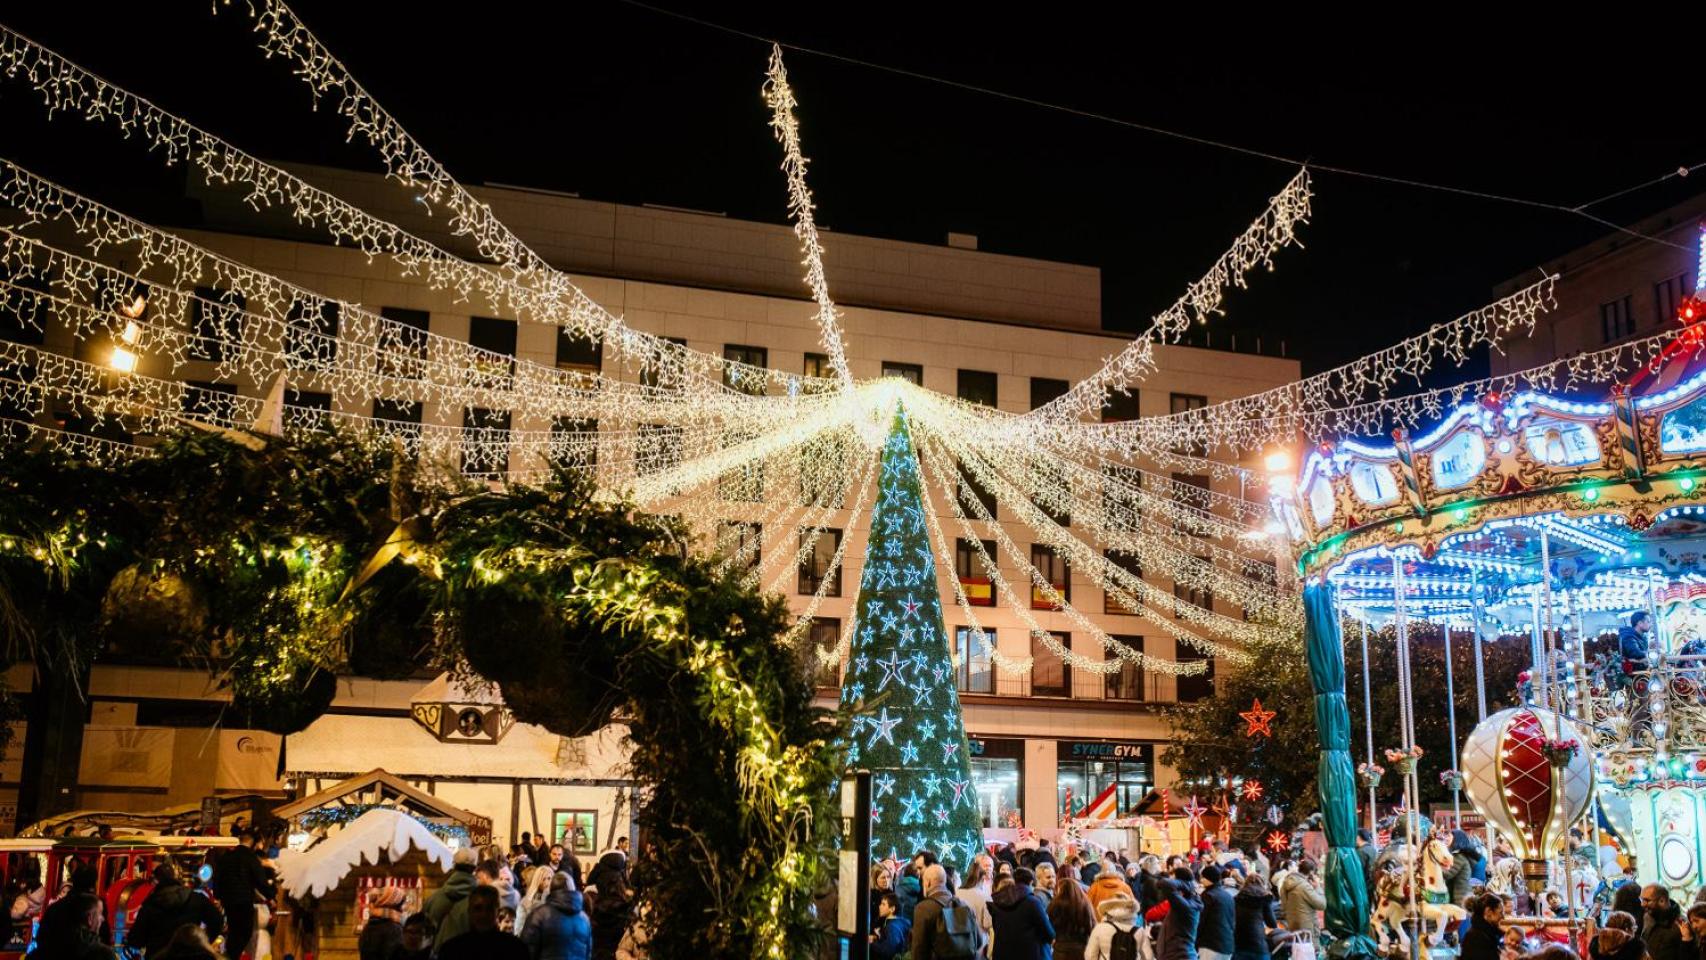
<point>998,775</point>
<point>1085,768</point>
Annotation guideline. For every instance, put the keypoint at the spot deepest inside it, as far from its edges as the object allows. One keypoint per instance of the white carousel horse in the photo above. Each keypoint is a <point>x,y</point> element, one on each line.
<point>1392,896</point>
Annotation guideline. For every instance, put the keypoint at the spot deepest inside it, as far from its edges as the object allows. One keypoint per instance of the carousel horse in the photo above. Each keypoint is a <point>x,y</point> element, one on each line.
<point>1393,892</point>
<point>1436,860</point>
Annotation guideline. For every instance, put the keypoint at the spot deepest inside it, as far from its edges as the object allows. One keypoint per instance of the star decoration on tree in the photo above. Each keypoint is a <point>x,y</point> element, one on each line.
<point>882,729</point>
<point>891,671</point>
<point>914,809</point>
<point>1194,812</point>
<point>884,783</point>
<point>1279,841</point>
<point>1252,790</point>
<point>1260,721</point>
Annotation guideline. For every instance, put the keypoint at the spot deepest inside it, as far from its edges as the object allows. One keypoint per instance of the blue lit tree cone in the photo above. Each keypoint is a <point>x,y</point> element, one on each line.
<point>907,727</point>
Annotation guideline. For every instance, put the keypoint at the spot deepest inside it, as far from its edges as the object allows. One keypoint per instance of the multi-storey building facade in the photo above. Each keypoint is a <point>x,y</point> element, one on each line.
<point>1009,332</point>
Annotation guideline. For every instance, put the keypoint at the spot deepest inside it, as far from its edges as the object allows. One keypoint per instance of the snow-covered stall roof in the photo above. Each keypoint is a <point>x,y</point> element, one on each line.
<point>322,867</point>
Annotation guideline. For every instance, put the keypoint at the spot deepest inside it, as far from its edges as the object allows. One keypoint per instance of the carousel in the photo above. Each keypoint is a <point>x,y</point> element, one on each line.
<point>1575,525</point>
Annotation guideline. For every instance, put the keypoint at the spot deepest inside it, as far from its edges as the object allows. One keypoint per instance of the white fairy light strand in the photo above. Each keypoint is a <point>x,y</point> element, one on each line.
<point>780,96</point>
<point>1273,231</point>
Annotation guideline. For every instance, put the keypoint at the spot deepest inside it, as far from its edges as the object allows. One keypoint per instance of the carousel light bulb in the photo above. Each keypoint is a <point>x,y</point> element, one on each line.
<point>1590,494</point>
<point>1686,483</point>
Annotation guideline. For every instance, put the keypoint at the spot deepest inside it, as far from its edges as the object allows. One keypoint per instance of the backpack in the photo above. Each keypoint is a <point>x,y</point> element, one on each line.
<point>1123,945</point>
<point>958,938</point>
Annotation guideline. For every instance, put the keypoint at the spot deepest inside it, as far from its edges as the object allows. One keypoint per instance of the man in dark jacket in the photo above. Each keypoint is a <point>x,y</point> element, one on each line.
<point>612,904</point>
<point>1367,852</point>
<point>169,907</point>
<point>1661,931</point>
<point>78,941</point>
<point>60,917</point>
<point>1485,939</point>
<point>1020,929</point>
<point>927,923</point>
<point>1632,641</point>
<point>483,941</point>
<point>239,880</point>
<point>447,908</point>
<point>558,929</point>
<point>1215,926</point>
<point>1184,911</point>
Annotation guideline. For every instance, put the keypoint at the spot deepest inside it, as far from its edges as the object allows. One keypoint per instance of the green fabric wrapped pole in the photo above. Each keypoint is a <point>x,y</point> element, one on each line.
<point>1347,888</point>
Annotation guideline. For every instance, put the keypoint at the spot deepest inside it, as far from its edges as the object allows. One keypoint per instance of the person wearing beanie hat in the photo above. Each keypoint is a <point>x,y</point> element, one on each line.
<point>448,907</point>
<point>382,935</point>
<point>1115,917</point>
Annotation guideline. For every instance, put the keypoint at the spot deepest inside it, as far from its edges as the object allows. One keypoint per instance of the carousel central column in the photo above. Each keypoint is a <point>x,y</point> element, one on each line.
<point>1347,888</point>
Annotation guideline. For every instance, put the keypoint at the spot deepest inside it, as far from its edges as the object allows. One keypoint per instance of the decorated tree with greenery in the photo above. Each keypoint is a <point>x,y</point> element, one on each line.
<point>906,722</point>
<point>1210,745</point>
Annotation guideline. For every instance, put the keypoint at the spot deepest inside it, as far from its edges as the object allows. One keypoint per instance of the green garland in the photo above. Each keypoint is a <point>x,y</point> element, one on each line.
<point>343,816</point>
<point>284,566</point>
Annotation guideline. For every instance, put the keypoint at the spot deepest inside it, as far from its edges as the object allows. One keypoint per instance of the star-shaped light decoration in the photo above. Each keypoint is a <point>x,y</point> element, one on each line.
<point>941,814</point>
<point>1194,812</point>
<point>882,728</point>
<point>909,752</point>
<point>1278,841</point>
<point>914,808</point>
<point>891,670</point>
<point>1260,721</point>
<point>959,790</point>
<point>884,783</point>
<point>1252,790</point>
<point>932,783</point>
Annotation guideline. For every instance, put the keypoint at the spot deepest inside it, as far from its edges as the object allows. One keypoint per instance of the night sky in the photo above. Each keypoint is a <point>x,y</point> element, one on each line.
<point>618,102</point>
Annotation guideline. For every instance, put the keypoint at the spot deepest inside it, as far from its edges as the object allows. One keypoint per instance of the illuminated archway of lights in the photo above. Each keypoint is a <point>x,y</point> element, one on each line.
<point>759,462</point>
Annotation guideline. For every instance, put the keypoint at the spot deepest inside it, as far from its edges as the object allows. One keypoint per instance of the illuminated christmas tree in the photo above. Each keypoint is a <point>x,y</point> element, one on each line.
<point>907,729</point>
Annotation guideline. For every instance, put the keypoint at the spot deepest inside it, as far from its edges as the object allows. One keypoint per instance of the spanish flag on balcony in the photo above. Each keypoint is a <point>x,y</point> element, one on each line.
<point>979,591</point>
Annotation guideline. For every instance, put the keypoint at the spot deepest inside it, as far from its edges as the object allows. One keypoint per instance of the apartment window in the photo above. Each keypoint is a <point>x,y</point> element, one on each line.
<point>1193,594</point>
<point>1050,676</point>
<point>1121,508</point>
<point>309,410</point>
<point>818,546</point>
<point>649,372</point>
<point>311,335</point>
<point>973,675</point>
<point>496,336</point>
<point>741,540</point>
<point>745,483</point>
<point>1119,406</point>
<point>1127,683</point>
<point>1616,319</point>
<point>1045,390</point>
<point>403,342</point>
<point>657,447</point>
<point>1180,402</point>
<point>977,386</point>
<point>1194,687</point>
<point>211,402</point>
<point>817,365</point>
<point>1053,569</point>
<point>1127,561</point>
<point>1668,296</point>
<point>216,318</point>
<point>825,634</point>
<point>910,372</point>
<point>578,352</point>
<point>825,487</point>
<point>968,483</point>
<point>746,381</point>
<point>399,418</point>
<point>974,579</point>
<point>574,444</point>
<point>485,441</point>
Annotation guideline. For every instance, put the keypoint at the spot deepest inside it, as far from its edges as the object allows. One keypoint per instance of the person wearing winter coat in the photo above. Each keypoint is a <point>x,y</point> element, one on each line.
<point>1465,854</point>
<point>892,934</point>
<point>612,904</point>
<point>1253,918</point>
<point>78,941</point>
<point>1302,900</point>
<point>927,918</point>
<point>1105,886</point>
<point>1073,918</point>
<point>558,929</point>
<point>169,907</point>
<point>1485,939</point>
<point>1616,940</point>
<point>1184,913</point>
<point>1662,930</point>
<point>382,935</point>
<point>976,893</point>
<point>1214,928</point>
<point>1116,917</point>
<point>1020,926</point>
<point>447,908</point>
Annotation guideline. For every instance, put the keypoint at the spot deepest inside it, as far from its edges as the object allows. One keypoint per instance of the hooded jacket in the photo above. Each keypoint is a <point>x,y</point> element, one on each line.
<point>1179,930</point>
<point>1214,929</point>
<point>559,929</point>
<point>1020,929</point>
<point>169,907</point>
<point>1302,901</point>
<point>448,907</point>
<point>1116,913</point>
<point>1253,915</point>
<point>1663,939</point>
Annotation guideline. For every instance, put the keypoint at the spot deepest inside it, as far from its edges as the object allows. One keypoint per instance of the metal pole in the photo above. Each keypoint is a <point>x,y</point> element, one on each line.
<point>1451,726</point>
<point>1546,634</point>
<point>1368,724</point>
<point>1407,735</point>
<point>1481,686</point>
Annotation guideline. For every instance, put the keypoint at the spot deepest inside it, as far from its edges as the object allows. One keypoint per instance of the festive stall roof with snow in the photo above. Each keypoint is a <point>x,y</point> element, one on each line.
<point>379,788</point>
<point>322,867</point>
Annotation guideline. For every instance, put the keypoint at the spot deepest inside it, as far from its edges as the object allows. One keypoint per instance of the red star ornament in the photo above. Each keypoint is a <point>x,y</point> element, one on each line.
<point>1260,721</point>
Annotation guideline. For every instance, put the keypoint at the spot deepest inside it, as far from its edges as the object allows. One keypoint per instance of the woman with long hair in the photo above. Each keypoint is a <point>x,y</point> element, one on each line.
<point>1069,911</point>
<point>1253,918</point>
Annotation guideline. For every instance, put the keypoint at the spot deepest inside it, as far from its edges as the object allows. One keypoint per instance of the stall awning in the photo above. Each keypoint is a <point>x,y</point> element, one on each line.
<point>338,745</point>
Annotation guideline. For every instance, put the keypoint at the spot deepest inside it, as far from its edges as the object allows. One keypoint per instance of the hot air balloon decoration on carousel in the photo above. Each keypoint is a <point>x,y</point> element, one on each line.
<point>1527,770</point>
